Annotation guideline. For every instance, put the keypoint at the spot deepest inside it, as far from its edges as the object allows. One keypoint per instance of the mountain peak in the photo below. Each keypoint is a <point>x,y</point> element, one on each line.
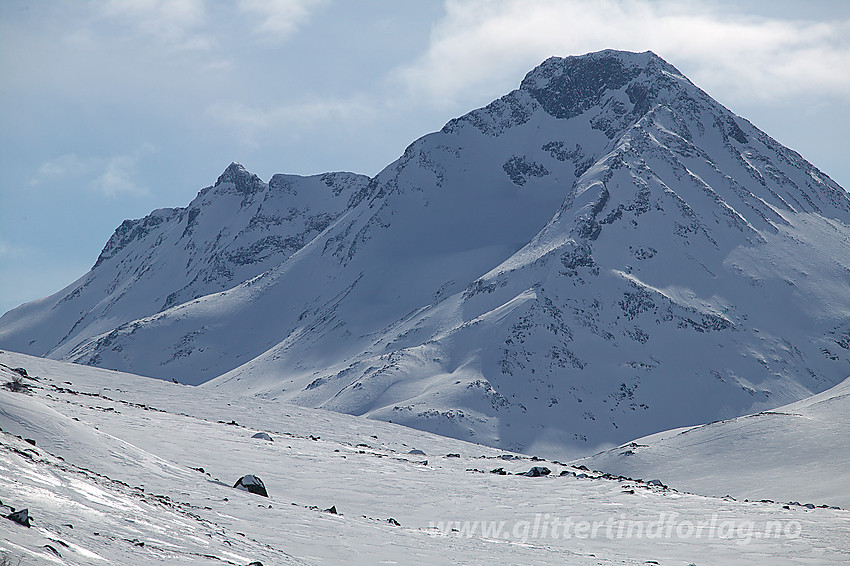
<point>244,181</point>
<point>567,86</point>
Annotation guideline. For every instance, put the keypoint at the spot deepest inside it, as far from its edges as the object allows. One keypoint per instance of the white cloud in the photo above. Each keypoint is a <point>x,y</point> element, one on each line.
<point>68,165</point>
<point>12,251</point>
<point>248,122</point>
<point>487,42</point>
<point>277,19</point>
<point>109,176</point>
<point>171,22</point>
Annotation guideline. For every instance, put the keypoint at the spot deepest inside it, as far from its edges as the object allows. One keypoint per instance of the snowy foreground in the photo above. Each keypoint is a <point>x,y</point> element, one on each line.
<point>115,477</point>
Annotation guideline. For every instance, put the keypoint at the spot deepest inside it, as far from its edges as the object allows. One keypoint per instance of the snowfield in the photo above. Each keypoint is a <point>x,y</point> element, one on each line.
<point>131,470</point>
<point>799,451</point>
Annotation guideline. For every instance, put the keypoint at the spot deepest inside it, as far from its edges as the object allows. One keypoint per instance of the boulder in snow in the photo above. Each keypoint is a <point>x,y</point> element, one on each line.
<point>263,436</point>
<point>252,484</point>
<point>538,471</point>
<point>21,517</point>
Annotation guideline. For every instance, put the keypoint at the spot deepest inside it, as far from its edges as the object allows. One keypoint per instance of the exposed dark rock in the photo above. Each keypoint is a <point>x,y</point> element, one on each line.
<point>538,471</point>
<point>567,87</point>
<point>252,484</point>
<point>17,385</point>
<point>332,510</point>
<point>520,169</point>
<point>52,550</point>
<point>243,182</point>
<point>263,436</point>
<point>21,517</point>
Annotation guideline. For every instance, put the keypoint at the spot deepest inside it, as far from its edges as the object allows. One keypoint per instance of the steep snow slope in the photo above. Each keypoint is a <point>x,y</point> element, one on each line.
<point>604,253</point>
<point>233,231</point>
<point>115,510</point>
<point>799,451</point>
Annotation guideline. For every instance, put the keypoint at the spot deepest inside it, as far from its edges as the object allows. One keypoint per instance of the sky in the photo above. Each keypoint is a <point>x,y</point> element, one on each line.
<point>110,109</point>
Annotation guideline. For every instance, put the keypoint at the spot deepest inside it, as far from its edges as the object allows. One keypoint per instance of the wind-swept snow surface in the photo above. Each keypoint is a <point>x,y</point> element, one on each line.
<point>147,467</point>
<point>604,253</point>
<point>797,452</point>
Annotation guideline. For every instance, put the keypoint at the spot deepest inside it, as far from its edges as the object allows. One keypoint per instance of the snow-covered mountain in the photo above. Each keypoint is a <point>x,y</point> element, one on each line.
<point>231,232</point>
<point>604,253</point>
<point>119,469</point>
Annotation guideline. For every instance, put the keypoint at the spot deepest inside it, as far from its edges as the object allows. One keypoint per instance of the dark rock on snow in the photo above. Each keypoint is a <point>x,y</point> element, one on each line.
<point>52,550</point>
<point>252,484</point>
<point>21,517</point>
<point>538,471</point>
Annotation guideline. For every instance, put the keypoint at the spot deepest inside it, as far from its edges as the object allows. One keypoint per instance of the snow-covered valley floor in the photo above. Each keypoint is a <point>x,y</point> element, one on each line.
<point>131,470</point>
<point>797,452</point>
